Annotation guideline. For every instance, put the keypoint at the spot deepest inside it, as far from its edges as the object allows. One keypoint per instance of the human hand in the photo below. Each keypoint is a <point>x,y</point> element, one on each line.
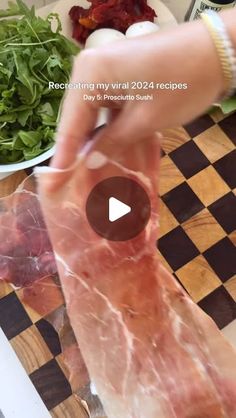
<point>185,54</point>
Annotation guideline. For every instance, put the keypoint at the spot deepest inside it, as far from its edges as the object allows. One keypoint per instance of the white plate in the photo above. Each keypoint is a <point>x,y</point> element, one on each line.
<point>164,17</point>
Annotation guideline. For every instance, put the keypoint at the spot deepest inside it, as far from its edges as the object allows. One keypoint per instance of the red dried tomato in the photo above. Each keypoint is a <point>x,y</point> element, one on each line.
<point>116,14</point>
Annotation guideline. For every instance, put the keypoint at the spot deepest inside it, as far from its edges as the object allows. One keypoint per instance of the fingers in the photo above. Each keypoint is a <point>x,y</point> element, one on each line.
<point>67,148</point>
<point>78,117</point>
<point>127,126</point>
<point>126,147</point>
<point>72,134</point>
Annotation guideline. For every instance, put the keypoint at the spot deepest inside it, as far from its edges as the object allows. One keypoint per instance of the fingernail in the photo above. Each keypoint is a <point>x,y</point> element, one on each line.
<point>96,160</point>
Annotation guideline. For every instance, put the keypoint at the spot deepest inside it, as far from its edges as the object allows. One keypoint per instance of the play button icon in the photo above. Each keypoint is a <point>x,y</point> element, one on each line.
<point>118,208</point>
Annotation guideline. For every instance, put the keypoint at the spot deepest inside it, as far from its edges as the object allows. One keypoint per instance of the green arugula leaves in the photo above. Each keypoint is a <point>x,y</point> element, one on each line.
<point>229,105</point>
<point>33,52</point>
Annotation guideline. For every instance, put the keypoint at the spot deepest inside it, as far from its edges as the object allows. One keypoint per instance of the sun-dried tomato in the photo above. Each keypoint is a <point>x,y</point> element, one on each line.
<point>80,32</point>
<point>88,22</point>
<point>116,14</point>
<point>76,12</point>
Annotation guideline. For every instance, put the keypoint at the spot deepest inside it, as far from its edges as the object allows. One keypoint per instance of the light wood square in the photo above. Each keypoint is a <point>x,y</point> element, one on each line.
<point>34,316</point>
<point>198,278</point>
<point>72,407</point>
<point>62,364</point>
<point>37,306</point>
<point>10,183</point>
<point>5,289</point>
<point>167,220</point>
<point>170,176</point>
<point>214,143</point>
<point>230,332</point>
<point>208,185</point>
<point>232,237</point>
<point>217,115</point>
<point>231,287</point>
<point>31,349</point>
<point>203,230</point>
<point>164,262</point>
<point>174,138</point>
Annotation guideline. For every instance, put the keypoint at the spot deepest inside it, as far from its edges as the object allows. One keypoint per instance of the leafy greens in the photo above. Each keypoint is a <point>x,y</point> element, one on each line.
<point>31,55</point>
<point>228,105</point>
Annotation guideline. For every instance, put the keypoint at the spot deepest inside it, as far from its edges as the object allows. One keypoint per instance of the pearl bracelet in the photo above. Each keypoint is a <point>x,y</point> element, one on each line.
<point>224,48</point>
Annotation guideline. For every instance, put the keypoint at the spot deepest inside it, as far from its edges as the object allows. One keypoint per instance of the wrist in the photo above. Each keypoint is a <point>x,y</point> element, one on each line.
<point>224,47</point>
<point>213,64</point>
<point>192,50</point>
<point>229,18</point>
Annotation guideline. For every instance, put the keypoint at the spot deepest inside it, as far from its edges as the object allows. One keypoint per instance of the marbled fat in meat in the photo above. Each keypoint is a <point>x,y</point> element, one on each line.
<point>150,351</point>
<point>26,254</point>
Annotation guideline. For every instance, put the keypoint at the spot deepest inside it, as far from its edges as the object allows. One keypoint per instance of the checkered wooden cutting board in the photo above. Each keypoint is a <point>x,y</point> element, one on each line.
<point>197,244</point>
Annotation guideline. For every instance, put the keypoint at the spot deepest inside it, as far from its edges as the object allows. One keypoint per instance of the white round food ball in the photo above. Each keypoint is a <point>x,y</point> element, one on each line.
<point>101,37</point>
<point>141,28</point>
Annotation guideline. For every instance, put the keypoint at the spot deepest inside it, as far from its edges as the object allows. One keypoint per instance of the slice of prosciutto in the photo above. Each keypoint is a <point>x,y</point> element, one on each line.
<point>26,254</point>
<point>150,351</point>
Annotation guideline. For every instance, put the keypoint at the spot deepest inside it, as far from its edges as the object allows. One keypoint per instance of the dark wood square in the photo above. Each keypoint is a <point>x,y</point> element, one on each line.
<point>220,306</point>
<point>226,167</point>
<point>189,159</point>
<point>224,210</point>
<point>183,202</point>
<point>13,317</point>
<point>180,283</point>
<point>51,384</point>
<point>162,152</point>
<point>199,125</point>
<point>222,258</point>
<point>177,248</point>
<point>50,336</point>
<point>228,125</point>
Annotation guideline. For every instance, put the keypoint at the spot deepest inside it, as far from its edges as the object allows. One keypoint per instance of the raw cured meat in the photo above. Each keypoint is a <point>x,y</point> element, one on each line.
<point>25,251</point>
<point>76,370</point>
<point>43,295</point>
<point>150,351</point>
<point>27,263</point>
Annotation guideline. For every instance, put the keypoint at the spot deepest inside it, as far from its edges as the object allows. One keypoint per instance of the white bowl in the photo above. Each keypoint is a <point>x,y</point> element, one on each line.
<point>8,169</point>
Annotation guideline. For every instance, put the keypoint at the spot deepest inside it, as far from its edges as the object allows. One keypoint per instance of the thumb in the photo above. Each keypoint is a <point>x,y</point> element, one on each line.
<point>128,126</point>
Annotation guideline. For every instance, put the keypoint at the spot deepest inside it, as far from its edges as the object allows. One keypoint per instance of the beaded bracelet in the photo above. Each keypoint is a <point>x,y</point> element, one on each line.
<point>224,48</point>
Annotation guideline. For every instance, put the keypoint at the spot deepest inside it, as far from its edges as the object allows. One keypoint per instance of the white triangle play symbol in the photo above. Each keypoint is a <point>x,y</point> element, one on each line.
<point>117,209</point>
